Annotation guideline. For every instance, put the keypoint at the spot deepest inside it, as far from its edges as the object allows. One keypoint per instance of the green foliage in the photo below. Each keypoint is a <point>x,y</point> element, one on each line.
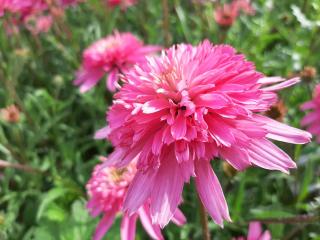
<point>55,134</point>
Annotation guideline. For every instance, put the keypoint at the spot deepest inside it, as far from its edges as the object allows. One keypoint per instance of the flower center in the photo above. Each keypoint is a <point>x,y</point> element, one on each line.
<point>116,174</point>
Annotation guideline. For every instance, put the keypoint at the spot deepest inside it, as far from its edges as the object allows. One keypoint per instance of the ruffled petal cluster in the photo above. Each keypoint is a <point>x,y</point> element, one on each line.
<point>107,189</point>
<point>114,55</point>
<point>184,108</point>
<point>312,119</point>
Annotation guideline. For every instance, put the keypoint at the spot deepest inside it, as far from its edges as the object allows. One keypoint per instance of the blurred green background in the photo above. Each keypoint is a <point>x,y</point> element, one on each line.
<point>53,140</point>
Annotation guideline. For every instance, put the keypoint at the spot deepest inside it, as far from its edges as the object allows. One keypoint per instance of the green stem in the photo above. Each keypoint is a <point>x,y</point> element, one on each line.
<point>165,23</point>
<point>204,221</point>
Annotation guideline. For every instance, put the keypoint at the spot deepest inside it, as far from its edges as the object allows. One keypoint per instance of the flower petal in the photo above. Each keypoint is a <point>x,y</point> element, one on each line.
<point>112,80</point>
<point>255,231</point>
<point>210,192</point>
<point>265,154</point>
<point>166,192</point>
<point>281,132</point>
<point>282,85</point>
<point>179,218</point>
<point>102,133</point>
<point>152,229</point>
<point>155,105</point>
<point>128,227</point>
<point>104,225</point>
<point>139,190</point>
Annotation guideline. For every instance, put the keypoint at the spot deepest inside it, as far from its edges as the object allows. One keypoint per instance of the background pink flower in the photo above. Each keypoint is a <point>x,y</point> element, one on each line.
<point>35,15</point>
<point>178,111</point>
<point>123,4</point>
<point>312,119</point>
<point>255,233</point>
<point>38,24</point>
<point>114,54</point>
<point>107,189</point>
<point>226,14</point>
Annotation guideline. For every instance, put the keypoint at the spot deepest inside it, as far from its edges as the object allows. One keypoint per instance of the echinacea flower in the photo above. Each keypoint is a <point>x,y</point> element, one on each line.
<point>308,73</point>
<point>255,233</point>
<point>112,55</point>
<point>178,111</point>
<point>107,189</point>
<point>312,119</point>
<point>10,114</point>
<point>226,14</point>
<point>38,24</point>
<point>36,15</point>
<point>277,111</point>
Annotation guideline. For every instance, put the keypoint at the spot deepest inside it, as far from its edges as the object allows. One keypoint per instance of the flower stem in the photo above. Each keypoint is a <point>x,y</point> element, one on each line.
<point>204,221</point>
<point>290,220</point>
<point>6,164</point>
<point>165,23</point>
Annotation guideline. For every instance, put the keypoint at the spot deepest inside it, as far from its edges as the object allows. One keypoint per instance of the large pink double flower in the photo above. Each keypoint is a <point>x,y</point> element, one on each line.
<point>179,111</point>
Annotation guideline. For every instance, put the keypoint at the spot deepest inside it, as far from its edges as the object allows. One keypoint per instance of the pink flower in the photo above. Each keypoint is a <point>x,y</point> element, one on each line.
<point>65,3</point>
<point>311,120</point>
<point>26,7</point>
<point>255,233</point>
<point>10,114</point>
<point>177,112</point>
<point>38,24</point>
<point>114,54</point>
<point>226,14</point>
<point>124,4</point>
<point>11,26</point>
<point>107,189</point>
<point>3,4</point>
<point>34,14</point>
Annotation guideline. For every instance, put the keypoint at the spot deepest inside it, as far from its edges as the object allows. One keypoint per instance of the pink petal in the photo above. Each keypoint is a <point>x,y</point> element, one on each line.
<point>102,133</point>
<point>212,100</point>
<point>112,80</point>
<point>88,79</point>
<point>236,157</point>
<point>308,105</point>
<point>155,105</point>
<point>179,127</point>
<point>114,157</point>
<point>179,218</point>
<point>266,236</point>
<point>281,132</point>
<point>210,192</point>
<point>166,192</point>
<point>282,85</point>
<point>265,154</point>
<point>145,218</point>
<point>139,190</point>
<point>255,231</point>
<point>220,131</point>
<point>128,227</point>
<point>104,225</point>
<point>268,80</point>
<point>310,118</point>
